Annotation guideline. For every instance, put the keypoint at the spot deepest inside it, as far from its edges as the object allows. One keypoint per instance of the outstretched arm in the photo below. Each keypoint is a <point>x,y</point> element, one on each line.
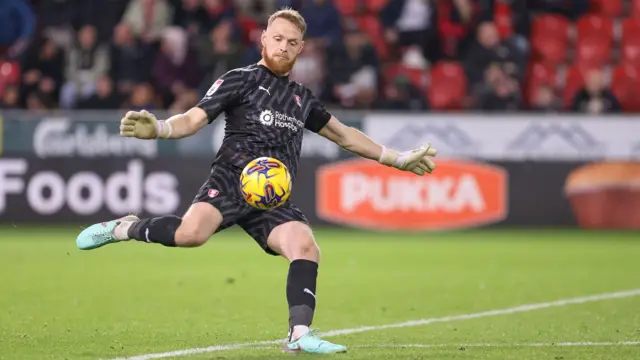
<point>351,139</point>
<point>144,125</point>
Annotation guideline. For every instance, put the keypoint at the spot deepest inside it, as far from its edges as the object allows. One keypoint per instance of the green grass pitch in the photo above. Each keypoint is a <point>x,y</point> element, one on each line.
<point>133,298</point>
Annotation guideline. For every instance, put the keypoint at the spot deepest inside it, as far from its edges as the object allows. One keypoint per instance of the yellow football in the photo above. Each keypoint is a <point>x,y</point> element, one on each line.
<point>265,183</point>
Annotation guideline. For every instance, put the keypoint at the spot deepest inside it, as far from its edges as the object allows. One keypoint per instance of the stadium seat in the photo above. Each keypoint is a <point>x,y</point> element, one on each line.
<point>625,85</point>
<point>635,8</point>
<point>503,20</point>
<point>593,51</point>
<point>550,38</point>
<point>594,25</point>
<point>371,26</point>
<point>10,72</point>
<point>539,74</point>
<point>448,86</point>
<point>573,83</point>
<point>418,78</point>
<point>630,42</point>
<point>610,8</point>
<point>375,6</point>
<point>347,7</point>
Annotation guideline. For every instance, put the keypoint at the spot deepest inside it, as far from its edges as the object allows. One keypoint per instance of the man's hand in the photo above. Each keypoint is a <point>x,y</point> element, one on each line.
<point>143,125</point>
<point>417,161</point>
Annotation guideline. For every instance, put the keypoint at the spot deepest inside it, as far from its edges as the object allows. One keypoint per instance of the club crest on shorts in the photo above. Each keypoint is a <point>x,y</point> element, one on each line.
<point>213,193</point>
<point>298,100</point>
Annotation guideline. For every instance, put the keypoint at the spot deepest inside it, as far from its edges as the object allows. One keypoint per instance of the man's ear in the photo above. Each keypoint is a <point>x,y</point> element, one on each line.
<point>263,38</point>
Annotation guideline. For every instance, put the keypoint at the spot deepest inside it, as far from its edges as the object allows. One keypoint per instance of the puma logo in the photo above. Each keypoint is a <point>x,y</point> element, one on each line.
<point>265,89</point>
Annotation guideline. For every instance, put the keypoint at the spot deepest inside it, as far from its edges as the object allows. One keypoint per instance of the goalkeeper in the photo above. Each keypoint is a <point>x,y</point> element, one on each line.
<point>266,114</point>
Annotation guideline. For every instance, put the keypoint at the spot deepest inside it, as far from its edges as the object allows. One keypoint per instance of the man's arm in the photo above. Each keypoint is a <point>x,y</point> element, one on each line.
<point>183,125</point>
<point>353,140</point>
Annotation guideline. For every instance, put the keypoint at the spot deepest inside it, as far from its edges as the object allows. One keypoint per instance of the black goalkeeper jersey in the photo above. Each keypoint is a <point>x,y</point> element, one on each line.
<point>265,116</point>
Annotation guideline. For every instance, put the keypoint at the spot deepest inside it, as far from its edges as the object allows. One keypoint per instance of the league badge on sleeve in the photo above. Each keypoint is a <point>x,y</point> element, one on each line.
<point>214,87</point>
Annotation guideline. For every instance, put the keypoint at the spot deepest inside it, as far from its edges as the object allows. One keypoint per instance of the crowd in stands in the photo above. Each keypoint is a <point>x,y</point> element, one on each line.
<point>411,55</point>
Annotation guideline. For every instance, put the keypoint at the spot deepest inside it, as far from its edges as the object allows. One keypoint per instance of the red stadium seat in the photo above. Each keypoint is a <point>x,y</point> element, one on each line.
<point>448,86</point>
<point>593,51</point>
<point>625,85</point>
<point>550,38</point>
<point>347,7</point>
<point>539,74</point>
<point>635,8</point>
<point>375,6</point>
<point>594,25</point>
<point>9,72</point>
<point>611,8</point>
<point>371,26</point>
<point>630,42</point>
<point>503,20</point>
<point>418,78</point>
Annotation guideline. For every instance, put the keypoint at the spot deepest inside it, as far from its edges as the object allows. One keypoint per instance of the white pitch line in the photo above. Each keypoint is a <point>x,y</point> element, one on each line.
<point>558,344</point>
<point>506,311</point>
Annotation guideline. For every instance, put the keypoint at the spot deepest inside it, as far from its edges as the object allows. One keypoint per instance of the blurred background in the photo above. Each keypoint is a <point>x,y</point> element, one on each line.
<point>531,103</point>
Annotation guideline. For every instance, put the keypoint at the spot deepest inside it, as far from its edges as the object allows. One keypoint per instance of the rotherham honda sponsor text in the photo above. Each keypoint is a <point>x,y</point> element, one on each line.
<point>365,194</point>
<point>86,192</point>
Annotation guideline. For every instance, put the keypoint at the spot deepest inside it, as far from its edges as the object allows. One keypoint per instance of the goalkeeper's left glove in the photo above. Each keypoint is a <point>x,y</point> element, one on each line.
<point>417,161</point>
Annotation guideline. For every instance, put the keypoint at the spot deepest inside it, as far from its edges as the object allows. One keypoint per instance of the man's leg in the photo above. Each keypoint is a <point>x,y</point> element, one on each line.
<point>284,231</point>
<point>217,206</point>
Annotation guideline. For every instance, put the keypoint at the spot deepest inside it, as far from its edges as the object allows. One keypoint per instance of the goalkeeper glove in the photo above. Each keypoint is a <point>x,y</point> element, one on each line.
<point>144,125</point>
<point>417,161</point>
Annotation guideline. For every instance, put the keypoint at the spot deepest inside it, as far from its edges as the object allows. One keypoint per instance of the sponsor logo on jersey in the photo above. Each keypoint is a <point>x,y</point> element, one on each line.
<point>459,194</point>
<point>278,119</point>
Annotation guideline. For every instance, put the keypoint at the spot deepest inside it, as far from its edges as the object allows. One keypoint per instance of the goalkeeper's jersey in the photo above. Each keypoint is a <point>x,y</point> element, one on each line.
<point>266,115</point>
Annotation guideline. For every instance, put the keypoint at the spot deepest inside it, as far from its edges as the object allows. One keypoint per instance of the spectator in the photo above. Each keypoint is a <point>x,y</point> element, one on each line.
<point>16,27</point>
<point>104,98</point>
<point>572,9</point>
<point>142,97</point>
<point>217,11</point>
<point>252,53</point>
<point>219,52</point>
<point>184,101</point>
<point>45,62</point>
<point>595,98</point>
<point>489,49</point>
<point>411,23</point>
<point>190,16</point>
<point>456,19</point>
<point>401,95</point>
<point>323,21</point>
<point>309,69</point>
<point>499,92</point>
<point>148,18</point>
<point>10,98</point>
<point>354,70</point>
<point>87,62</point>
<point>129,59</point>
<point>546,100</point>
<point>176,67</point>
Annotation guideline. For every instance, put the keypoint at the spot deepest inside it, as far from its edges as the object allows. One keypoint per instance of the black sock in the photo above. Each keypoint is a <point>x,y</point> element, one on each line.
<point>301,292</point>
<point>160,230</point>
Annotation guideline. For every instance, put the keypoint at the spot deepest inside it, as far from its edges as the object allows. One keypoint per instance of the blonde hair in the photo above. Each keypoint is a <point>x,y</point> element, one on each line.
<point>290,15</point>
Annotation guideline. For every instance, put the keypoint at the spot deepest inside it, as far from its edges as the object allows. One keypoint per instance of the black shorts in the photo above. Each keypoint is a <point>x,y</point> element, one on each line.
<point>222,190</point>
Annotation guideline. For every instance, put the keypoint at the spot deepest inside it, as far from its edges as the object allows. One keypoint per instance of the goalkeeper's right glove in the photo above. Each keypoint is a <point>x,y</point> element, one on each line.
<point>144,125</point>
<point>417,161</point>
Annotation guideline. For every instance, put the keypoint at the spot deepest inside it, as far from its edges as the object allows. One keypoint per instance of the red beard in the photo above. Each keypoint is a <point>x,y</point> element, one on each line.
<point>278,65</point>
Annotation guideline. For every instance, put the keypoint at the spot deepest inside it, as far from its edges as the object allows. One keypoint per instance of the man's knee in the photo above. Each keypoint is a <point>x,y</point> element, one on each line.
<point>294,240</point>
<point>189,237</point>
<point>198,224</point>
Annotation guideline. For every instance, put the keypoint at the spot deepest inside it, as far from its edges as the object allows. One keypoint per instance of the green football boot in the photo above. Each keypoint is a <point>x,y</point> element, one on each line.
<point>101,234</point>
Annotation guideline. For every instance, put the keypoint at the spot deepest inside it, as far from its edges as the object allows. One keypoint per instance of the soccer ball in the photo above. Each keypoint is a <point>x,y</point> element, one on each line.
<point>265,183</point>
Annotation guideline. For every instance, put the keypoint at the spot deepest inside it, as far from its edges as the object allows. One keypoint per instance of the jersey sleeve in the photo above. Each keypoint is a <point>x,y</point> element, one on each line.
<point>318,116</point>
<point>222,94</point>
